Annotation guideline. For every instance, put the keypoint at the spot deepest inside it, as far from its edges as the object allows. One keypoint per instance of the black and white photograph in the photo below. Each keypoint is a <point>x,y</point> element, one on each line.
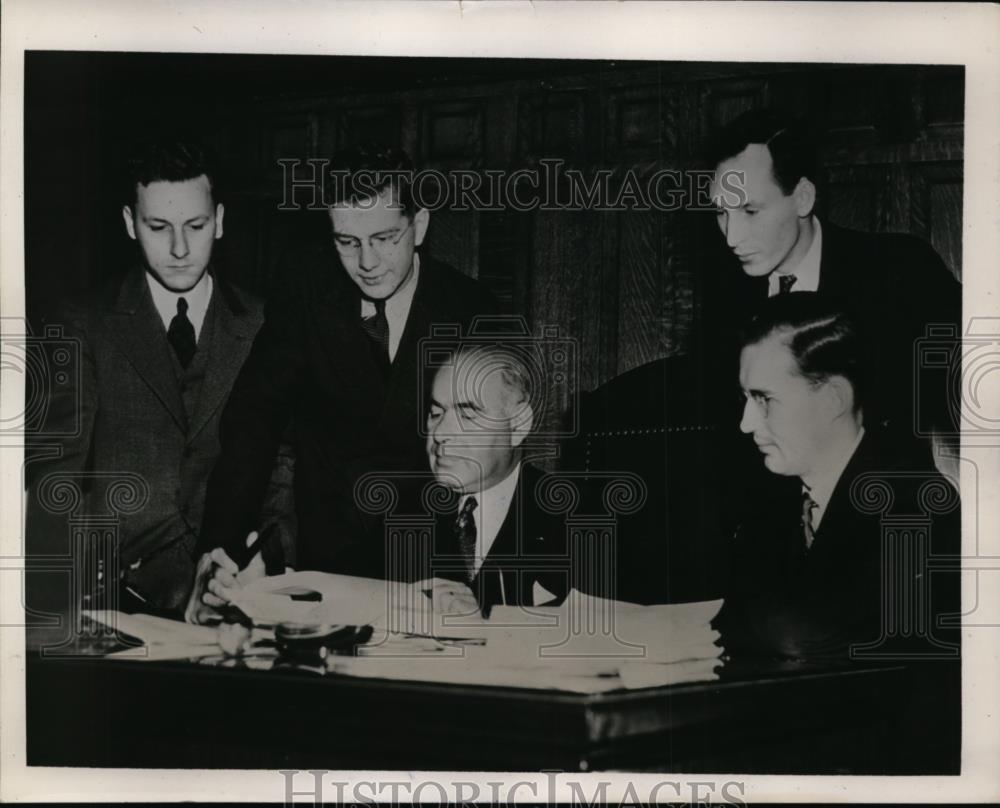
<point>480,402</point>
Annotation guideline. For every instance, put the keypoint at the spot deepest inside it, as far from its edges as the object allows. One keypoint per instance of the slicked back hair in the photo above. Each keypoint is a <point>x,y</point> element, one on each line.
<point>479,361</point>
<point>362,172</point>
<point>824,340</point>
<point>793,151</point>
<point>170,161</point>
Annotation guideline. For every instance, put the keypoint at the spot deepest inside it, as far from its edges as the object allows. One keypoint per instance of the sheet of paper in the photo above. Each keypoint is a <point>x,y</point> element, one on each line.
<point>344,599</point>
<point>152,629</point>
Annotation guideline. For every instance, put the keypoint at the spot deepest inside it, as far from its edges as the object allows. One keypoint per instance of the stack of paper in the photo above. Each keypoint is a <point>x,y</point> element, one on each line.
<point>585,645</point>
<point>643,646</point>
<point>161,638</point>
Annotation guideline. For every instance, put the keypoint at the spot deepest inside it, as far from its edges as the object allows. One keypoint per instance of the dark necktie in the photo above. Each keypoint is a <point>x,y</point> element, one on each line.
<point>180,334</point>
<point>785,283</point>
<point>807,524</point>
<point>377,329</point>
<point>465,532</point>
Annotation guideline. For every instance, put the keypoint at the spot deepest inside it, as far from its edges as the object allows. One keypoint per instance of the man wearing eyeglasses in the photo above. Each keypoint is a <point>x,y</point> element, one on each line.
<point>337,359</point>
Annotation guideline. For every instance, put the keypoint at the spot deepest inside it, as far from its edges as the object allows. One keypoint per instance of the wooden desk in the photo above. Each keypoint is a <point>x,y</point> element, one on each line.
<point>762,717</point>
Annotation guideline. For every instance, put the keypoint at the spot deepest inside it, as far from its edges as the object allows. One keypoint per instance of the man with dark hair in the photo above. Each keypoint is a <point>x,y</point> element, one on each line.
<point>896,286</point>
<point>816,571</point>
<point>339,359</point>
<point>160,349</point>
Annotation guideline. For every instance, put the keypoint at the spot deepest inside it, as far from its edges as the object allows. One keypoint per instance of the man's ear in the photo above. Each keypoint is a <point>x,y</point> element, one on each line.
<point>839,396</point>
<point>421,219</point>
<point>129,221</point>
<point>520,424</point>
<point>804,196</point>
<point>220,212</point>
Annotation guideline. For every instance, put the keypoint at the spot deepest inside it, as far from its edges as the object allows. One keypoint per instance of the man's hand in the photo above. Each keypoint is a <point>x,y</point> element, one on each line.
<point>217,579</point>
<point>449,597</point>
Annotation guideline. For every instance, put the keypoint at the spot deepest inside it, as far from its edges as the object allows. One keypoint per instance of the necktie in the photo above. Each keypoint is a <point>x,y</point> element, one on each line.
<point>377,329</point>
<point>465,532</point>
<point>180,334</point>
<point>807,520</point>
<point>785,283</point>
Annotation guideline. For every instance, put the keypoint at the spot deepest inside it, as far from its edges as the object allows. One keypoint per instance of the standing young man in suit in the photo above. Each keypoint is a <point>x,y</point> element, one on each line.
<point>338,358</point>
<point>764,189</point>
<point>160,349</point>
<point>504,544</point>
<point>814,572</point>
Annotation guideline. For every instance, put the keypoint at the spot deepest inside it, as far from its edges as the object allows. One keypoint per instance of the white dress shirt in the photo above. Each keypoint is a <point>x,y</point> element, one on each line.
<point>197,298</point>
<point>822,489</point>
<point>489,515</point>
<point>397,308</point>
<point>807,271</point>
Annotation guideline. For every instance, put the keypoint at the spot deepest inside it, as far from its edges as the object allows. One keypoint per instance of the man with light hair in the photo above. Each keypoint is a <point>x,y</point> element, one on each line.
<point>504,547</point>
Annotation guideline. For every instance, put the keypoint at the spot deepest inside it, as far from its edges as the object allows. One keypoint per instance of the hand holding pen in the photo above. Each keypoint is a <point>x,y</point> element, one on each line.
<point>217,580</point>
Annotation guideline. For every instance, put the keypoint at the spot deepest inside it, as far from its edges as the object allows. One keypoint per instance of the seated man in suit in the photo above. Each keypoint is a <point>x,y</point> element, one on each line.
<point>160,347</point>
<point>895,286</point>
<point>815,567</point>
<point>338,359</point>
<point>506,548</point>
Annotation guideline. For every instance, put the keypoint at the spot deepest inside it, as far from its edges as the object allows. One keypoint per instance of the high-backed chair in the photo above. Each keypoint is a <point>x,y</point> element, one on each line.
<point>673,423</point>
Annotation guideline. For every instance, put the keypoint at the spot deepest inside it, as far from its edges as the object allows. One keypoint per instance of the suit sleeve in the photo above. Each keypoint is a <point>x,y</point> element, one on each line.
<point>59,442</point>
<point>934,300</point>
<point>253,424</point>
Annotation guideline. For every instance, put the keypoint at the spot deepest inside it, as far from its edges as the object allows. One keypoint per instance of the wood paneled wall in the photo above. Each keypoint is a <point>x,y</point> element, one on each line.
<point>625,285</point>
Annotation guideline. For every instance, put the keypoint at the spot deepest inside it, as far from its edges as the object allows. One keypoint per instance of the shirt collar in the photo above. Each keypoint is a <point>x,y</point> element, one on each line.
<point>197,298</point>
<point>807,271</point>
<point>397,306</point>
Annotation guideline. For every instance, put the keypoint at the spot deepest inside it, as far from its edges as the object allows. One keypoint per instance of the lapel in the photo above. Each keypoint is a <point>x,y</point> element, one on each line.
<point>136,328</point>
<point>836,262</point>
<point>516,542</point>
<point>347,347</point>
<point>841,514</point>
<point>232,331</point>
<point>405,367</point>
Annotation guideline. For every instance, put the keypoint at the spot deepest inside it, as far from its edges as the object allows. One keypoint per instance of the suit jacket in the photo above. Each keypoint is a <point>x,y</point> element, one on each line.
<point>133,420</point>
<point>896,285</point>
<point>788,601</point>
<point>313,366</point>
<point>530,549</point>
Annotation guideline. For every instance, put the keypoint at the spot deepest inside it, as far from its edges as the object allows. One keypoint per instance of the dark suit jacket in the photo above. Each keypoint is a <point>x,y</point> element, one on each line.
<point>530,548</point>
<point>896,285</point>
<point>132,421</point>
<point>788,601</point>
<point>313,366</point>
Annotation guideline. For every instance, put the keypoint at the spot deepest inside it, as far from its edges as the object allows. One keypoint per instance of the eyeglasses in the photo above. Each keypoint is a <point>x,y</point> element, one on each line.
<point>382,244</point>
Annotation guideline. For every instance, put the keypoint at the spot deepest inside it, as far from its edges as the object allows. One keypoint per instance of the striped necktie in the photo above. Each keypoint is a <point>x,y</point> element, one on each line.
<point>465,532</point>
<point>808,504</point>
<point>785,283</point>
<point>377,329</point>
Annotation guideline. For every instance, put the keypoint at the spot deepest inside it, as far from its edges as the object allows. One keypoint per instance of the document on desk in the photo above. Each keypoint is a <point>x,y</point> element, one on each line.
<point>320,597</point>
<point>161,638</point>
<point>585,645</point>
